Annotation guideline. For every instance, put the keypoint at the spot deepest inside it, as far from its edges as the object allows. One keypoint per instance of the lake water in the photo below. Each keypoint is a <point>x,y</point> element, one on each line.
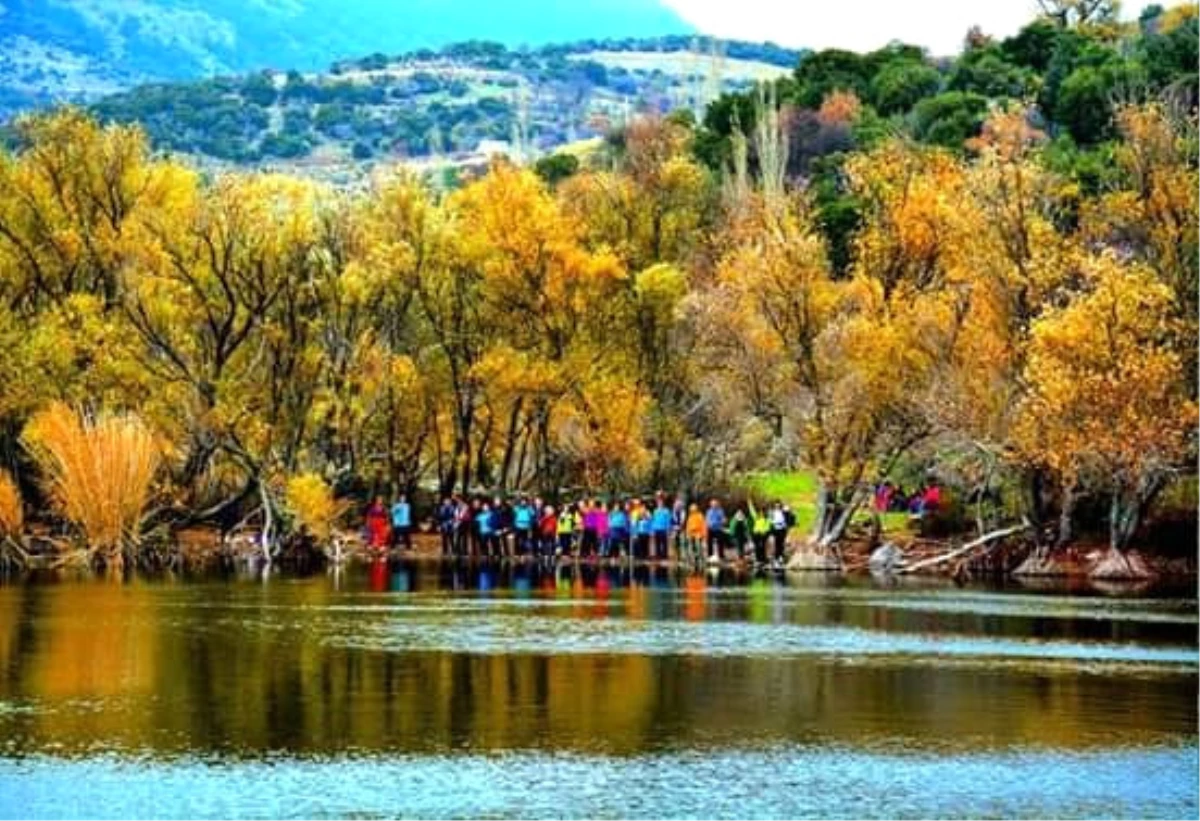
<point>411,689</point>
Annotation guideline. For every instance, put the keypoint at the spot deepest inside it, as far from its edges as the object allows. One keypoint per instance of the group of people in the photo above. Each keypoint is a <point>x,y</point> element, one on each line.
<point>890,497</point>
<point>392,527</point>
<point>631,528</point>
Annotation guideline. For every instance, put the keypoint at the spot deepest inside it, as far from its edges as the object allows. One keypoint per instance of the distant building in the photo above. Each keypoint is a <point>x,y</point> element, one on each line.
<point>490,148</point>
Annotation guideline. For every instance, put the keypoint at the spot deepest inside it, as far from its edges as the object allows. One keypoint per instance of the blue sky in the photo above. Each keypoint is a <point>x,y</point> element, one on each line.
<point>861,25</point>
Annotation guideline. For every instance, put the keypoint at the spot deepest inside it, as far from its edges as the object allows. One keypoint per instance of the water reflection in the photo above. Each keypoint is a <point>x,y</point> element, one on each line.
<point>425,658</point>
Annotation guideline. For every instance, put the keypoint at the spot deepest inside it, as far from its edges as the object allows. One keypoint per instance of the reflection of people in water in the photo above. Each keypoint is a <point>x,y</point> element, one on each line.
<point>401,580</point>
<point>694,591</point>
<point>760,600</point>
<point>377,579</point>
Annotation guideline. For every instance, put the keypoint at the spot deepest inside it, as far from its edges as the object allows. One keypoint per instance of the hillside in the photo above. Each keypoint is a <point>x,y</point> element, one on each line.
<point>461,101</point>
<point>55,50</point>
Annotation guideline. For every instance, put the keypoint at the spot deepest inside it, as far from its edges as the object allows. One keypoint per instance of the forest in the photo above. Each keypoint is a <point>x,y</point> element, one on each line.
<point>423,102</point>
<point>874,266</point>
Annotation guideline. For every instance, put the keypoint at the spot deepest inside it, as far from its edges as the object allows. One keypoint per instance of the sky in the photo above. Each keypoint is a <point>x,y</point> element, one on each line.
<point>863,25</point>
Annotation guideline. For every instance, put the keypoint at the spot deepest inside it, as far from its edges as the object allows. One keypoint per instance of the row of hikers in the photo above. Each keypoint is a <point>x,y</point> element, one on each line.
<point>625,528</point>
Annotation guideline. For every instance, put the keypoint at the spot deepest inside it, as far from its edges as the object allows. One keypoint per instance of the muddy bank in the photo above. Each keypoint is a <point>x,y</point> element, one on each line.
<point>1014,558</point>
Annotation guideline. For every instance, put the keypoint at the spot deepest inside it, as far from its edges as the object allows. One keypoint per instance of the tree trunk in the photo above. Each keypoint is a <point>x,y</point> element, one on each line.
<point>1066,517</point>
<point>1123,520</point>
<point>837,527</point>
<point>510,445</point>
<point>1035,482</point>
<point>526,433</point>
<point>267,538</point>
<point>824,500</point>
<point>987,538</point>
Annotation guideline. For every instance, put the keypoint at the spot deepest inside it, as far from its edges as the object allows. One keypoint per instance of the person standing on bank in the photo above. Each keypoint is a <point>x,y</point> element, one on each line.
<point>714,521</point>
<point>402,523</point>
<point>782,520</point>
<point>660,527</point>
<point>377,525</point>
<point>446,513</point>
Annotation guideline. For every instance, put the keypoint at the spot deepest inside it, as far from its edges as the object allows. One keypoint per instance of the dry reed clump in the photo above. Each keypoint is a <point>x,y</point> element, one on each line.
<point>12,513</point>
<point>311,500</point>
<point>97,470</point>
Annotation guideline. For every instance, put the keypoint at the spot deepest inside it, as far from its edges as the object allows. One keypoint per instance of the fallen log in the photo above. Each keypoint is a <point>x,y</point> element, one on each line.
<point>985,539</point>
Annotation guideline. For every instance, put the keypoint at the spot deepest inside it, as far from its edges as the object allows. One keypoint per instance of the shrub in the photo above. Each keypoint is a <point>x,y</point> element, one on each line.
<point>310,499</point>
<point>12,514</point>
<point>97,471</point>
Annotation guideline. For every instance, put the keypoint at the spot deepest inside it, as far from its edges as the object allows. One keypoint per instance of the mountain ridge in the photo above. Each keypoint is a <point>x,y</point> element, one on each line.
<point>462,101</point>
<point>76,50</point>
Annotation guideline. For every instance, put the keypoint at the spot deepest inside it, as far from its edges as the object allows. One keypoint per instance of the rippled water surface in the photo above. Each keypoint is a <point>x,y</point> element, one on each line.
<point>411,689</point>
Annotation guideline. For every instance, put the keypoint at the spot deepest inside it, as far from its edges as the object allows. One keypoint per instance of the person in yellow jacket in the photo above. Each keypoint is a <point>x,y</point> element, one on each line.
<point>566,530</point>
<point>696,531</point>
<point>760,531</point>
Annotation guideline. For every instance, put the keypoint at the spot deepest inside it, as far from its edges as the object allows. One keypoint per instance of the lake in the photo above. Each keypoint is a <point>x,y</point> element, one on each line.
<point>428,689</point>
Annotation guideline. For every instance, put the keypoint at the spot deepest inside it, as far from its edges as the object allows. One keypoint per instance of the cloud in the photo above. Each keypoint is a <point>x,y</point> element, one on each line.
<point>861,25</point>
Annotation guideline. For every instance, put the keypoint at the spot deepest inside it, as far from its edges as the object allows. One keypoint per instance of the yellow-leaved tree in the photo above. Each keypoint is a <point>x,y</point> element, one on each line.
<point>311,501</point>
<point>1107,404</point>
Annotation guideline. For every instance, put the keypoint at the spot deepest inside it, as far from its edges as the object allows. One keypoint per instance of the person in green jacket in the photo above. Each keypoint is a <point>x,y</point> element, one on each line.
<point>760,530</point>
<point>739,531</point>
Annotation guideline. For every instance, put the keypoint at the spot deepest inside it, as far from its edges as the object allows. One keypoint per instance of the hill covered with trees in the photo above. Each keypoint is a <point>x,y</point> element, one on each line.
<point>438,102</point>
<point>57,50</point>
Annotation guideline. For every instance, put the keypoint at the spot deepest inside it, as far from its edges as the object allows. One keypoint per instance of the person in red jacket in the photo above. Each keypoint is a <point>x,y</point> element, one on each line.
<point>377,525</point>
<point>932,498</point>
<point>547,530</point>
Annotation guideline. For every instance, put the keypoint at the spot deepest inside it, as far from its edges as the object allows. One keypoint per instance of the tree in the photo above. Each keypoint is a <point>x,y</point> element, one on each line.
<point>651,207</point>
<point>949,119</point>
<point>1032,46</point>
<point>1107,405</point>
<point>986,71</point>
<point>209,272</point>
<point>1153,212</point>
<point>1085,100</point>
<point>555,302</point>
<point>64,202</point>
<point>822,72</point>
<point>555,168</point>
<point>1078,13</point>
<point>900,86</point>
<point>1015,261</point>
<point>1169,50</point>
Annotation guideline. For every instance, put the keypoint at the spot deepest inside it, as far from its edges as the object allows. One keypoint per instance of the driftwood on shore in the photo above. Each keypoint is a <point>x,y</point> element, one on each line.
<point>983,541</point>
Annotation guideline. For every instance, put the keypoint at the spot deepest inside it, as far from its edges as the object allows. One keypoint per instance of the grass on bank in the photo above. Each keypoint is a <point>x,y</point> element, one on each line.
<point>799,489</point>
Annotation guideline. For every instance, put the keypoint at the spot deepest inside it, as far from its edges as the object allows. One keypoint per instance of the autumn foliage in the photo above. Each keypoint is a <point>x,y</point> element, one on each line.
<point>640,325</point>
<point>311,499</point>
<point>98,471</point>
<point>12,512</point>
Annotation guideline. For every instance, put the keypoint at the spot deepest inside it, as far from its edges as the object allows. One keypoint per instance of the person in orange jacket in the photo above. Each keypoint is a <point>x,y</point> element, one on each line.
<point>696,531</point>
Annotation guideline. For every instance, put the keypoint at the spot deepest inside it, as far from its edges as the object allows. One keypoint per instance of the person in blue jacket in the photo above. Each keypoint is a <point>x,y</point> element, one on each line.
<point>489,539</point>
<point>660,527</point>
<point>523,516</point>
<point>402,523</point>
<point>714,520</point>
<point>618,530</point>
